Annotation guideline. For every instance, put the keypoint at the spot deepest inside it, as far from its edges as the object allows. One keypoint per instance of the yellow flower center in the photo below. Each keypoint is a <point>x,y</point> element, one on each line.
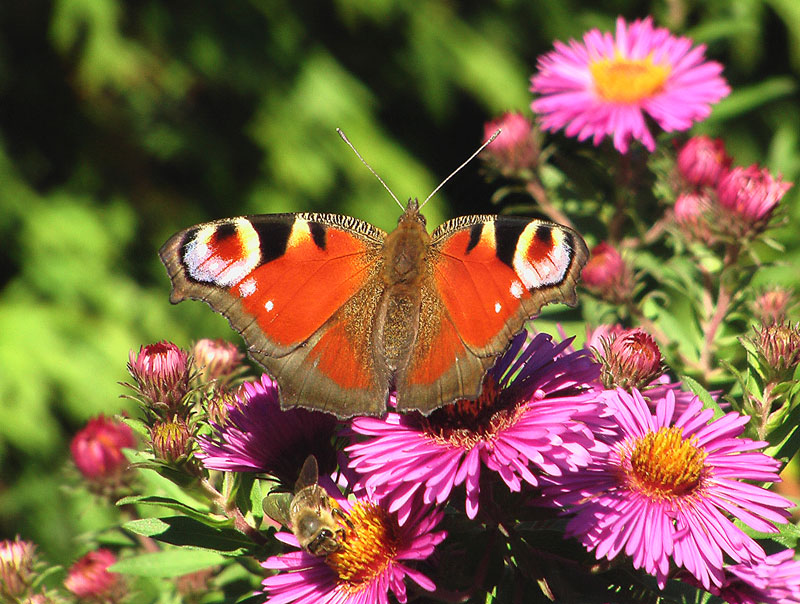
<point>622,80</point>
<point>664,465</point>
<point>368,548</point>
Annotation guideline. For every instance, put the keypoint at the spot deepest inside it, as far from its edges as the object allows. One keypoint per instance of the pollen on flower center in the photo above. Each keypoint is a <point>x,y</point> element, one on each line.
<point>622,80</point>
<point>370,545</point>
<point>663,464</point>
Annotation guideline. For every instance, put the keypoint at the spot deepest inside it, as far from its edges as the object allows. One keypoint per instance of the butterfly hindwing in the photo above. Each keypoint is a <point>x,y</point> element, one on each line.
<point>489,274</point>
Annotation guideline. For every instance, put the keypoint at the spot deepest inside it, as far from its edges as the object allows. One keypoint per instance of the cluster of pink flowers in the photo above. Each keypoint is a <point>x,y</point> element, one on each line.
<point>637,467</point>
<point>717,200</point>
<point>630,469</point>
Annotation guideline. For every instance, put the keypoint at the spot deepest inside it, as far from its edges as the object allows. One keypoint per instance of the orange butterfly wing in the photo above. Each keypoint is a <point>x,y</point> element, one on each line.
<point>301,289</point>
<point>488,275</point>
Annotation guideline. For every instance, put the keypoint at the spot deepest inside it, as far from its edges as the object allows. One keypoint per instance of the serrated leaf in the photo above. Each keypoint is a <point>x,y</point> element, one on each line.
<point>183,531</point>
<point>172,504</point>
<point>166,564</point>
<point>703,394</point>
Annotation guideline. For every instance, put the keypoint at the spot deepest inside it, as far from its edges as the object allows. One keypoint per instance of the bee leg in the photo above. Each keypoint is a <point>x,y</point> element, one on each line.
<point>339,514</point>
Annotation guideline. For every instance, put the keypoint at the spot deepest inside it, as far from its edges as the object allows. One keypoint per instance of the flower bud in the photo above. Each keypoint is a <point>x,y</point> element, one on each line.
<point>97,450</point>
<point>779,343</point>
<point>516,149</point>
<point>161,371</point>
<point>631,360</point>
<point>772,305</point>
<point>215,359</point>
<point>693,216</point>
<point>748,197</point>
<point>702,160</point>
<point>607,275</point>
<point>17,560</point>
<point>172,441</point>
<point>90,580</point>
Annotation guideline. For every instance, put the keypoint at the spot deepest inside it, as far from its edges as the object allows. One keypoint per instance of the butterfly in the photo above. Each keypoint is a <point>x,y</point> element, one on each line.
<point>341,313</point>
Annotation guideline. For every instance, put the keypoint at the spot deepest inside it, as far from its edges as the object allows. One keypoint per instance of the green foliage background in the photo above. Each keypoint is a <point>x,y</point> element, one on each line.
<point>122,122</point>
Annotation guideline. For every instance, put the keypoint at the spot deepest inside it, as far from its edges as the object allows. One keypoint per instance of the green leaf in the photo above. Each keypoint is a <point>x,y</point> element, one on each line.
<point>703,395</point>
<point>172,504</point>
<point>179,530</point>
<point>171,563</point>
<point>748,98</point>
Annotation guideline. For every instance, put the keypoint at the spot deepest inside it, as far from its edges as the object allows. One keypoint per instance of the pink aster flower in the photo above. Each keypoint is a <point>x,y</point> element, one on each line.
<point>631,359</point>
<point>606,84</point>
<point>534,409</point>
<point>668,489</point>
<point>258,436</point>
<point>693,216</point>
<point>372,560</point>
<point>776,580</point>
<point>749,196</point>
<point>90,579</point>
<point>517,148</point>
<point>703,160</point>
<point>608,275</point>
<point>97,450</point>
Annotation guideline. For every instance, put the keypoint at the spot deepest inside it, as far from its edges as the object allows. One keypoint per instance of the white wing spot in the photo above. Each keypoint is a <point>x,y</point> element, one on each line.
<point>247,287</point>
<point>269,305</point>
<point>497,307</point>
<point>516,289</point>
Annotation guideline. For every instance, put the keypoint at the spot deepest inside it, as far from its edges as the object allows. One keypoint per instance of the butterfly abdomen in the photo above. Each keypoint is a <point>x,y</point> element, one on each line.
<point>397,321</point>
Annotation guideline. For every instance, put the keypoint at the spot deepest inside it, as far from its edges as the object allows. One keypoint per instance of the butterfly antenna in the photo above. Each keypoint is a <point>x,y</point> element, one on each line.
<point>374,173</point>
<point>454,172</point>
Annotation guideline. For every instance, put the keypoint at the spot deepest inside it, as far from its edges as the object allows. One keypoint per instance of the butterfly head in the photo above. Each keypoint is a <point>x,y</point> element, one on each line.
<point>412,213</point>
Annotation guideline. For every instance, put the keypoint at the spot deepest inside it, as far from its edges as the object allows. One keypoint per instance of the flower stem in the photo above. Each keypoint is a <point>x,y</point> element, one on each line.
<point>536,190</point>
<point>724,297</point>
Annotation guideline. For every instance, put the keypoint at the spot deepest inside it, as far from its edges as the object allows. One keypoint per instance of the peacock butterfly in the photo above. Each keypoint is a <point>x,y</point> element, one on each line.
<point>341,313</point>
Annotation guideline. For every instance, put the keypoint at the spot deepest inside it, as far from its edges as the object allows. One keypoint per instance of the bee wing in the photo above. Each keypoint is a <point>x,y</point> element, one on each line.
<point>276,506</point>
<point>309,474</point>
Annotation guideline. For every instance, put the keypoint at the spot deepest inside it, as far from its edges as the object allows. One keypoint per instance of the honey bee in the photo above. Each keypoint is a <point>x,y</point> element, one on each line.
<point>315,518</point>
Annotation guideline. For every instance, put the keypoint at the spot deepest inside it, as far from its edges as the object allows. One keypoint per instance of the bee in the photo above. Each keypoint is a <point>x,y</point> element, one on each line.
<point>315,518</point>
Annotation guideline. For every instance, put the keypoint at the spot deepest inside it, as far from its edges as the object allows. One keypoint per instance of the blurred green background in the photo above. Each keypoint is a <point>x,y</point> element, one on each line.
<point>122,122</point>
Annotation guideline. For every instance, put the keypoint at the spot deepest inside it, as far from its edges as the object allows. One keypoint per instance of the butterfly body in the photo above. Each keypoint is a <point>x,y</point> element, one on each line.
<point>341,313</point>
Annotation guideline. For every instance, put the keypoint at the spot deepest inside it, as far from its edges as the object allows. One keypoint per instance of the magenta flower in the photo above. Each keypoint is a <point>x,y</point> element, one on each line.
<point>693,216</point>
<point>372,560</point>
<point>162,372</point>
<point>668,488</point>
<point>97,449</point>
<point>749,196</point>
<point>703,160</point>
<point>631,359</point>
<point>604,85</point>
<point>607,275</point>
<point>216,359</point>
<point>90,579</point>
<point>776,580</point>
<point>536,410</point>
<point>257,436</point>
<point>516,149</point>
